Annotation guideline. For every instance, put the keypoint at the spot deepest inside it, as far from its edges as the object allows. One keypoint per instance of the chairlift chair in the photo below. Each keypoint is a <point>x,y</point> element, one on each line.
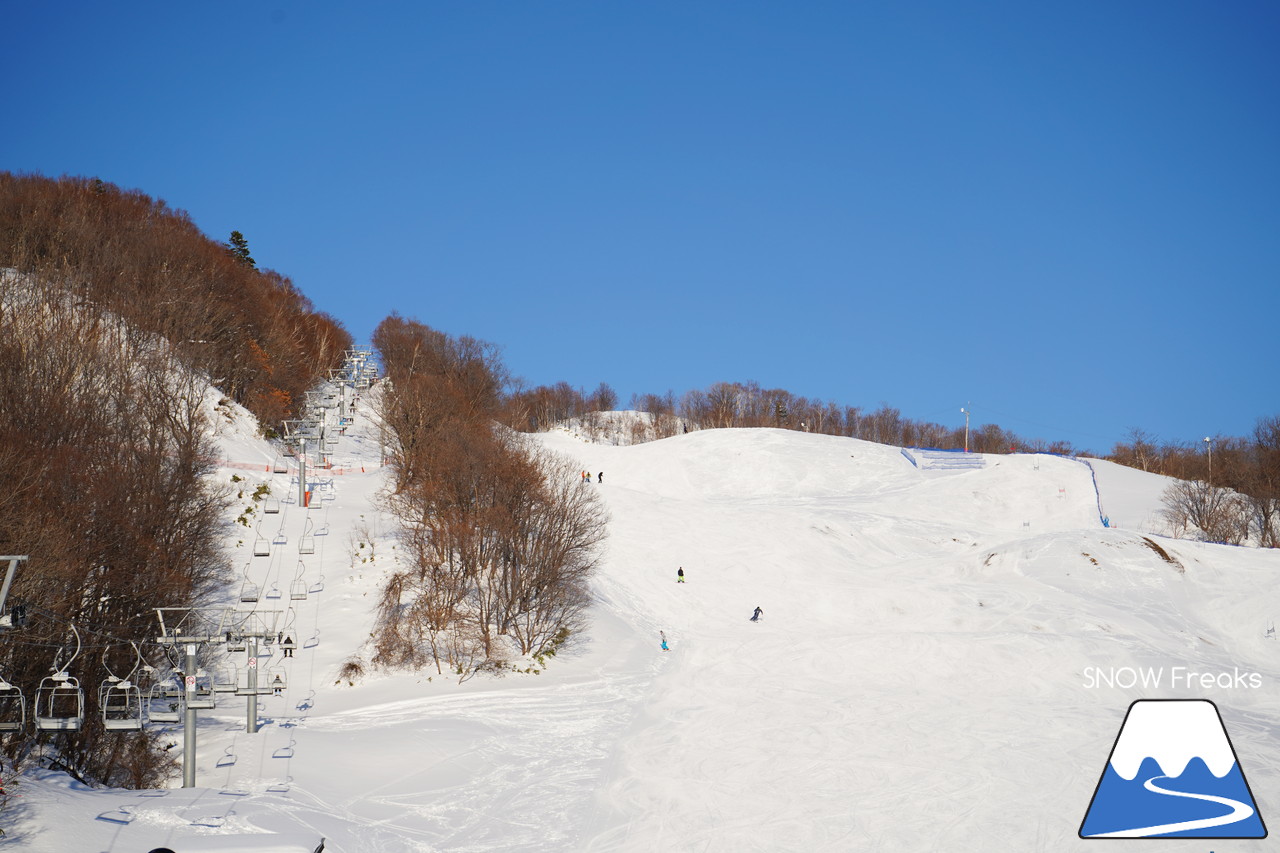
<point>318,586</point>
<point>225,679</point>
<point>280,466</point>
<point>13,707</point>
<point>249,592</point>
<point>261,547</point>
<point>307,542</point>
<point>121,704</point>
<point>164,703</point>
<point>274,592</point>
<point>276,679</point>
<point>270,505</point>
<point>298,588</point>
<point>59,705</point>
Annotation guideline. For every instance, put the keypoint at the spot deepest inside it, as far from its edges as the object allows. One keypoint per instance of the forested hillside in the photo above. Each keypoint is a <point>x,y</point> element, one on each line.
<point>116,317</point>
<point>250,331</point>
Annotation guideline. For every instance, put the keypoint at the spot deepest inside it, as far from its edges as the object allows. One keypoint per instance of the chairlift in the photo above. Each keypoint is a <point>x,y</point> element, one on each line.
<point>120,699</point>
<point>225,679</point>
<point>59,702</point>
<point>13,707</point>
<point>271,505</point>
<point>164,702</point>
<point>298,588</point>
<point>318,586</point>
<point>280,538</point>
<point>121,705</point>
<point>276,680</point>
<point>249,592</point>
<point>261,547</point>
<point>307,542</point>
<point>242,682</point>
<point>280,466</point>
<point>274,592</point>
<point>236,644</point>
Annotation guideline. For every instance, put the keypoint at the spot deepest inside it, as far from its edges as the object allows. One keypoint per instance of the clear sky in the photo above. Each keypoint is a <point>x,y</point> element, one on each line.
<point>1065,216</point>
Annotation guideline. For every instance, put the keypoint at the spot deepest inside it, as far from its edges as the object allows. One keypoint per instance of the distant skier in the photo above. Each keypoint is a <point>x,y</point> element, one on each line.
<point>755,617</point>
<point>680,575</point>
<point>601,480</point>
<point>665,647</point>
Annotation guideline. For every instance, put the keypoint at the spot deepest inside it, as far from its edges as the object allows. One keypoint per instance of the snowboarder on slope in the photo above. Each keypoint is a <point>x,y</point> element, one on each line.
<point>680,575</point>
<point>665,647</point>
<point>755,617</point>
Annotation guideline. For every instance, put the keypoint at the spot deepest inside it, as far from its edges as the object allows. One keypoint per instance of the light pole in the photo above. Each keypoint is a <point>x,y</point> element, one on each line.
<point>965,412</point>
<point>1208,442</point>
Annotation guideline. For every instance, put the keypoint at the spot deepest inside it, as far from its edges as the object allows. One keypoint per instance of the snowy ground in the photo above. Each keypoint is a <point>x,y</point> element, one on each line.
<point>921,679</point>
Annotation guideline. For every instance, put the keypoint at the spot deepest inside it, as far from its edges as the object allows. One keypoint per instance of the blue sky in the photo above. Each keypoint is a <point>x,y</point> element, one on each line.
<point>1066,217</point>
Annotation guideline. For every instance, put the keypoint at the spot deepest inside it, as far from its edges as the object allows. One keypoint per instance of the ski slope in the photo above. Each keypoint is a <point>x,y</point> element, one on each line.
<point>919,681</point>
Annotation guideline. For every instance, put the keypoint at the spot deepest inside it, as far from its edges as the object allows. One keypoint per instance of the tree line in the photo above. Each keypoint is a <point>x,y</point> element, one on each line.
<point>726,405</point>
<point>502,536</point>
<point>1228,487</point>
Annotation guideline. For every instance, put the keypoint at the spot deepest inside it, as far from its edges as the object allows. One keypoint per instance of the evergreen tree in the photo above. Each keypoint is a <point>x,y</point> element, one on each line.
<point>238,246</point>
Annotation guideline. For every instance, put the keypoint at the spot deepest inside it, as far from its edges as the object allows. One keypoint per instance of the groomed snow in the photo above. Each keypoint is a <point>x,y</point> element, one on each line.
<point>920,680</point>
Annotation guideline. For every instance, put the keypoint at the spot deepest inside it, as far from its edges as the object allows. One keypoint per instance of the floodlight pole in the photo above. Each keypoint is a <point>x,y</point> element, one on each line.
<point>1208,442</point>
<point>189,720</point>
<point>965,412</point>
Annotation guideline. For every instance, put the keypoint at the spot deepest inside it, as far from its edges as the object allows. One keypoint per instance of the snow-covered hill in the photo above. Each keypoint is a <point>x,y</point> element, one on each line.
<point>939,666</point>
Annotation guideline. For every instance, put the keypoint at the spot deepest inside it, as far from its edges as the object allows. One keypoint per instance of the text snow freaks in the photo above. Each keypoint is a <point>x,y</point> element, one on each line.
<point>1173,677</point>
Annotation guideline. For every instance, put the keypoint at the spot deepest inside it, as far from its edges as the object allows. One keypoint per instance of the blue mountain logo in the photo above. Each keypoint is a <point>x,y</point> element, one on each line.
<point>1173,773</point>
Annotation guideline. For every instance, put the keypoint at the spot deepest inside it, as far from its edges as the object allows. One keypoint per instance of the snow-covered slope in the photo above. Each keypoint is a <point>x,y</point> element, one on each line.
<point>926,675</point>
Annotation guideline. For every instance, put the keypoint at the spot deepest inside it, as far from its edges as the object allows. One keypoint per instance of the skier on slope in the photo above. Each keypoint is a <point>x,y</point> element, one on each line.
<point>755,617</point>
